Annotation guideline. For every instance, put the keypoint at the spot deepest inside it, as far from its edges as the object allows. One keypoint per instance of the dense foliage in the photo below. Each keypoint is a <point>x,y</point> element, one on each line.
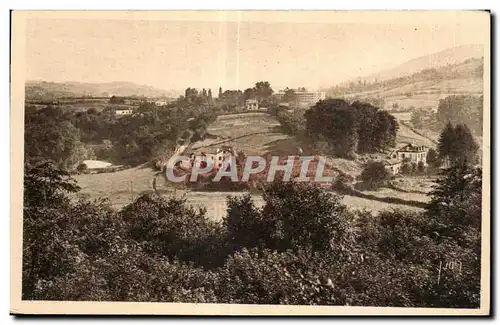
<point>374,175</point>
<point>303,246</point>
<point>457,145</point>
<point>463,109</point>
<point>350,128</point>
<point>68,138</point>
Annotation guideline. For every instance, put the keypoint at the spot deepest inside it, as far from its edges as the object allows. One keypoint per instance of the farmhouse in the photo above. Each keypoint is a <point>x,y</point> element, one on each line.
<point>411,153</point>
<point>252,105</point>
<point>393,166</point>
<point>218,158</point>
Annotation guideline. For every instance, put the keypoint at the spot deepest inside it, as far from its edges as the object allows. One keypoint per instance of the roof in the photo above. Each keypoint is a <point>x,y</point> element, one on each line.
<point>94,164</point>
<point>391,162</point>
<point>411,148</point>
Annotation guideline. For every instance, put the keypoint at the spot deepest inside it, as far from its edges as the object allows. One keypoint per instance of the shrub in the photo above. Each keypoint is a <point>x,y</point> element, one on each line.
<point>171,228</point>
<point>375,175</point>
<point>268,277</point>
<point>245,224</point>
<point>300,215</point>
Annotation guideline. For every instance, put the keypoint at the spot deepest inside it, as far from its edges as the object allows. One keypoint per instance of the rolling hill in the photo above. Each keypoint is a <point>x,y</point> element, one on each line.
<point>42,90</point>
<point>421,82</point>
<point>449,56</point>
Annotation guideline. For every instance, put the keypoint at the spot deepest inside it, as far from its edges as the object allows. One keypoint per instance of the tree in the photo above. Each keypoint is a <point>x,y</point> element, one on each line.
<point>367,117</point>
<point>292,123</point>
<point>433,158</point>
<point>457,199</point>
<point>385,130</point>
<point>417,119</point>
<point>466,147</point>
<point>50,135</point>
<point>334,121</point>
<point>375,175</point>
<point>220,92</point>
<point>263,90</point>
<point>285,226</point>
<point>420,167</point>
<point>456,144</point>
<point>116,100</point>
<point>46,203</point>
<point>249,93</point>
<point>406,167</point>
<point>289,96</point>
<point>462,110</point>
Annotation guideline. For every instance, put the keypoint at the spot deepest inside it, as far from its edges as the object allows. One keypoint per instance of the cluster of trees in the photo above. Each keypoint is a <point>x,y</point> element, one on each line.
<point>232,99</point>
<point>462,109</point>
<point>347,129</point>
<point>50,134</point>
<point>293,122</point>
<point>196,98</point>
<point>68,138</point>
<point>423,118</point>
<point>302,247</point>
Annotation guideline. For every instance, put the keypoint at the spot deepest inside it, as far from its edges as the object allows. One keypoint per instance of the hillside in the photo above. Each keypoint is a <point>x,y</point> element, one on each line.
<point>432,61</point>
<point>421,82</point>
<point>42,90</point>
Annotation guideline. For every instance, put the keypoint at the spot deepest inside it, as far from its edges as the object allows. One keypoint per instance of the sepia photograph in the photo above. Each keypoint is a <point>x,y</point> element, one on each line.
<point>250,162</point>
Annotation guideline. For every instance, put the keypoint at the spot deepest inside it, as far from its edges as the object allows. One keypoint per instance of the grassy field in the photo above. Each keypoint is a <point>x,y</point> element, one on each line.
<point>123,192</point>
<point>252,133</point>
<point>425,93</point>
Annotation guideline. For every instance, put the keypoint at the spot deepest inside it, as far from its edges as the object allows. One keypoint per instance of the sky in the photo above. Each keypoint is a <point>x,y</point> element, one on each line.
<point>233,54</point>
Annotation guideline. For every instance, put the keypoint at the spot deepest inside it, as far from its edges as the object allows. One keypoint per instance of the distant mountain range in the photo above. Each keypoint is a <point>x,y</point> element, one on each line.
<point>42,90</point>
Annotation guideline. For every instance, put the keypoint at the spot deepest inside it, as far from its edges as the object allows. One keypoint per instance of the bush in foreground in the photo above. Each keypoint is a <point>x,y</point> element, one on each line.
<point>302,247</point>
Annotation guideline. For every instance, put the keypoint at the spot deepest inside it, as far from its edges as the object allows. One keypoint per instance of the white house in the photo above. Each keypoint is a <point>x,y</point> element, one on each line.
<point>411,153</point>
<point>252,104</point>
<point>218,158</point>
